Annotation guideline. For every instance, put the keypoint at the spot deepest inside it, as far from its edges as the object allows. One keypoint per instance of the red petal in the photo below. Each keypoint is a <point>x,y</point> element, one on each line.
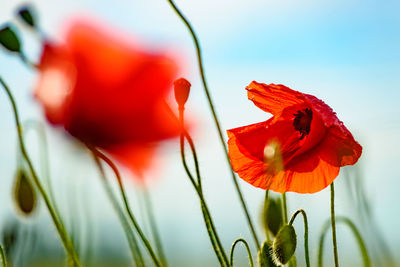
<point>253,139</point>
<point>273,98</point>
<point>307,173</point>
<point>120,90</point>
<point>136,157</point>
<point>56,82</point>
<point>340,149</point>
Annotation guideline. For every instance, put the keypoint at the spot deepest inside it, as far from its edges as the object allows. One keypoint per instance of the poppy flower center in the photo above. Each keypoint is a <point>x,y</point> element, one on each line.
<point>302,121</point>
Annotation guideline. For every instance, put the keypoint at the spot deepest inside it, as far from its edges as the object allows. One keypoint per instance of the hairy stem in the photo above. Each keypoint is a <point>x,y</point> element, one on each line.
<point>306,251</point>
<point>357,235</point>
<point>128,209</point>
<point>247,248</point>
<point>153,226</point>
<point>69,247</point>
<point>43,155</point>
<point>133,244</point>
<point>3,257</point>
<point>216,243</point>
<point>285,214</point>
<point>335,253</point>
<point>214,115</point>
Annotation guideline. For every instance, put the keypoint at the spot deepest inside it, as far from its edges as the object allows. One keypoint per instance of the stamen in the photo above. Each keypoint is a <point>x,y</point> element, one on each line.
<point>302,121</point>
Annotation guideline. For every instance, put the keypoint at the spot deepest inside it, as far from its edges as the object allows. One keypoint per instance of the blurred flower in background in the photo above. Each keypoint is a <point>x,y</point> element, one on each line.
<point>108,92</point>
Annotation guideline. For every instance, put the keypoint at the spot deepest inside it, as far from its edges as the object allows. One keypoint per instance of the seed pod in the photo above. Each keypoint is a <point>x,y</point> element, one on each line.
<point>272,216</point>
<point>264,255</point>
<point>284,245</point>
<point>24,193</point>
<point>181,89</point>
<point>26,15</point>
<point>9,39</point>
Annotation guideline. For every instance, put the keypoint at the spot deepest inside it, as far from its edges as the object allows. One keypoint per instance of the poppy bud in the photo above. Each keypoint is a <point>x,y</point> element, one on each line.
<point>9,39</point>
<point>181,89</point>
<point>272,216</point>
<point>284,245</point>
<point>264,255</point>
<point>24,193</point>
<point>26,15</point>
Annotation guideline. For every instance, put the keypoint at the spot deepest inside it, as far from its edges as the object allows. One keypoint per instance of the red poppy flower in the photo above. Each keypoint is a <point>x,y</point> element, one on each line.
<point>107,92</point>
<point>300,149</point>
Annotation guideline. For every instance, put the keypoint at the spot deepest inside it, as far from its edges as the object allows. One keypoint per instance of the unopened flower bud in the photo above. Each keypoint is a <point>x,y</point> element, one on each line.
<point>26,15</point>
<point>264,255</point>
<point>284,245</point>
<point>24,193</point>
<point>9,39</point>
<point>272,216</point>
<point>181,89</point>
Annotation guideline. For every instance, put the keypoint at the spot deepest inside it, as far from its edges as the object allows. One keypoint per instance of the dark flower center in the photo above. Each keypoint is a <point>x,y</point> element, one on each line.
<point>302,121</point>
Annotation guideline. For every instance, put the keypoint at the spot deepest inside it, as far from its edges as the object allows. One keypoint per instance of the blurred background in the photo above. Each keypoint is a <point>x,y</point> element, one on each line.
<point>344,52</point>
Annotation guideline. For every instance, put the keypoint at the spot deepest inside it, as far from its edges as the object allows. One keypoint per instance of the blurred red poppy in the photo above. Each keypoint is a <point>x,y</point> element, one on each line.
<point>300,149</point>
<point>108,93</point>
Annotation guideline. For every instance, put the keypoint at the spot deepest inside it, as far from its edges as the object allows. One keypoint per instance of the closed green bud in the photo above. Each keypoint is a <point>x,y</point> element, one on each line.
<point>26,15</point>
<point>264,255</point>
<point>284,245</point>
<point>272,216</point>
<point>24,193</point>
<point>9,39</point>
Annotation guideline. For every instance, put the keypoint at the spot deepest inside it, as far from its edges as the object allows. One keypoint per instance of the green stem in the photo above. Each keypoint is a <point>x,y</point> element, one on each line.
<point>266,201</point>
<point>247,248</point>
<point>306,251</point>
<point>132,218</point>
<point>353,228</point>
<point>153,226</point>
<point>69,247</point>
<point>3,257</point>
<point>196,163</point>
<point>216,121</point>
<point>215,241</point>
<point>285,214</point>
<point>293,261</point>
<point>335,253</point>
<point>133,244</point>
<point>44,156</point>
<point>25,59</point>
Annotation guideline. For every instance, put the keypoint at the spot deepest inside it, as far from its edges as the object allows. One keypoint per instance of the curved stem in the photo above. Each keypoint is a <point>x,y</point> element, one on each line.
<point>196,163</point>
<point>216,121</point>
<point>216,243</point>
<point>27,62</point>
<point>306,251</point>
<point>247,248</point>
<point>44,156</point>
<point>335,253</point>
<point>3,257</point>
<point>126,204</point>
<point>69,247</point>
<point>353,228</point>
<point>133,244</point>
<point>153,226</point>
